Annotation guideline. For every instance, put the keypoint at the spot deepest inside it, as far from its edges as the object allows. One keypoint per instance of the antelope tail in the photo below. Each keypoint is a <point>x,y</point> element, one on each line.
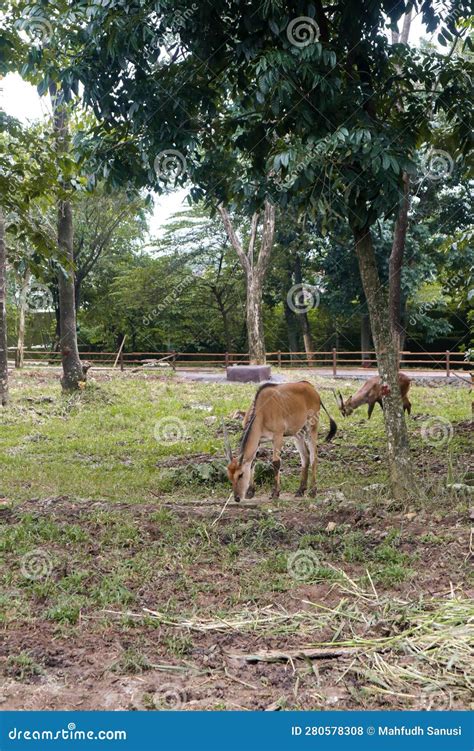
<point>332,425</point>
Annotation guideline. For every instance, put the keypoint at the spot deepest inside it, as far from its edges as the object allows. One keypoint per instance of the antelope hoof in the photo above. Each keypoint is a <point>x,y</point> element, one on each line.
<point>313,492</point>
<point>275,493</point>
<point>300,492</point>
<point>250,492</point>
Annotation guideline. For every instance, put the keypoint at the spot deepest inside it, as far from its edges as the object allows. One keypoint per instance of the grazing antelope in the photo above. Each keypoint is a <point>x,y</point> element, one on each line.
<point>279,410</point>
<point>371,393</point>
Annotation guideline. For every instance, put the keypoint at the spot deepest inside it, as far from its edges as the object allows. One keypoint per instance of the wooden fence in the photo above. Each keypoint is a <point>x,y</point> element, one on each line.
<point>335,360</point>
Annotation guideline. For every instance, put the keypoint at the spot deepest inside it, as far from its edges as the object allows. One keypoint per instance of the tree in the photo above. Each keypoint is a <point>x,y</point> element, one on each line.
<point>187,292</point>
<point>26,174</point>
<point>41,53</point>
<point>255,268</point>
<point>106,223</point>
<point>22,307</point>
<point>73,372</point>
<point>207,256</point>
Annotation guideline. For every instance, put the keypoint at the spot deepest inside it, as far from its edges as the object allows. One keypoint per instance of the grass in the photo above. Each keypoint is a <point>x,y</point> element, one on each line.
<point>22,666</point>
<point>101,523</point>
<point>101,443</point>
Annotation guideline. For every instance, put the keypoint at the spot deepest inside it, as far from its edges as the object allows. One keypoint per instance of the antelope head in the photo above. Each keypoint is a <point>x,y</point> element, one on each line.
<point>238,472</point>
<point>345,408</point>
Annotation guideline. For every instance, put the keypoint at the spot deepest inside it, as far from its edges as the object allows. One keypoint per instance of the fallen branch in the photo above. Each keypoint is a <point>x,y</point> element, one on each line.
<point>276,655</point>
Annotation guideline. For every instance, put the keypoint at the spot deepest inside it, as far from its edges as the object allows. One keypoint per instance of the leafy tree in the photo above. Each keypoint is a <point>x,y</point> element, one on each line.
<point>186,292</point>
<point>26,175</point>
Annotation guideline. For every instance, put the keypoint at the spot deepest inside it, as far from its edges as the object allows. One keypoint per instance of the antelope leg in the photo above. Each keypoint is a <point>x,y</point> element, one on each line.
<point>313,453</point>
<point>304,455</point>
<point>277,444</point>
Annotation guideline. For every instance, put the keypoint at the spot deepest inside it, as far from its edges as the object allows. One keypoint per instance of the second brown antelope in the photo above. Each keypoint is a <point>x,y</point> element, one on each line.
<point>371,393</point>
<point>278,411</point>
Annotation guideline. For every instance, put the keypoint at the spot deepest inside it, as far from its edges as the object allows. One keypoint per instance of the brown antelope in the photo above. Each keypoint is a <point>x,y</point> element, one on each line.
<point>279,410</point>
<point>371,393</point>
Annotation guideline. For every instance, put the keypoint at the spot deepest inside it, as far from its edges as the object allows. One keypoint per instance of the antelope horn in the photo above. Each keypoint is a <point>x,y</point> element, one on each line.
<point>228,447</point>
<point>341,399</point>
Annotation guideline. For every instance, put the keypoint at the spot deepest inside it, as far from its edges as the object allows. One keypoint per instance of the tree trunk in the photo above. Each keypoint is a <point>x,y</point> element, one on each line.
<point>20,346</point>
<point>400,230</point>
<point>255,332</point>
<point>255,270</point>
<point>365,339</point>
<point>73,374</point>
<point>291,327</point>
<point>403,333</point>
<point>303,316</point>
<point>399,460</point>
<point>3,316</point>
<point>72,367</point>
<point>406,27</point>
<point>396,263</point>
<point>77,292</point>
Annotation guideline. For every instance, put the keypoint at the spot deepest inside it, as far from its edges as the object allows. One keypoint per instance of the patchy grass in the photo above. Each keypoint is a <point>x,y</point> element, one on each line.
<point>22,666</point>
<point>113,560</point>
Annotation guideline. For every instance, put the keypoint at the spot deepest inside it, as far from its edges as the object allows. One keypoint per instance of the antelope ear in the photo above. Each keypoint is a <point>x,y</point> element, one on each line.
<point>339,401</point>
<point>385,390</point>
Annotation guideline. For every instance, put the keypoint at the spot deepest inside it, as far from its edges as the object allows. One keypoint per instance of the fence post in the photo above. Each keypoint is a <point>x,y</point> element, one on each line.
<point>279,358</point>
<point>334,361</point>
<point>121,360</point>
<point>448,373</point>
<point>227,359</point>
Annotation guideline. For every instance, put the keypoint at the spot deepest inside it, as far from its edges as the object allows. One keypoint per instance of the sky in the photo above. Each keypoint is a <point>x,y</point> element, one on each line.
<point>20,99</point>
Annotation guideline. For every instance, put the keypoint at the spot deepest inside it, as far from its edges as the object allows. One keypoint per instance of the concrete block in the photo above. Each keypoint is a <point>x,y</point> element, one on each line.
<point>249,373</point>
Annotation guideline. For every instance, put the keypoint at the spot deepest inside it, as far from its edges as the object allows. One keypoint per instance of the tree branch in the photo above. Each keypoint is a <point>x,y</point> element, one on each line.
<point>253,235</point>
<point>396,258</point>
<point>234,240</point>
<point>406,27</point>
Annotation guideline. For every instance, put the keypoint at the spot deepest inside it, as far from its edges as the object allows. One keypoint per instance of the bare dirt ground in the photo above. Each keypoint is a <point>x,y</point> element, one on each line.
<point>78,667</point>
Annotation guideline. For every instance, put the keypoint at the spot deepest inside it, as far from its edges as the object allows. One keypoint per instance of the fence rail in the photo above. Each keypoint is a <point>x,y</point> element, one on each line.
<point>335,360</point>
